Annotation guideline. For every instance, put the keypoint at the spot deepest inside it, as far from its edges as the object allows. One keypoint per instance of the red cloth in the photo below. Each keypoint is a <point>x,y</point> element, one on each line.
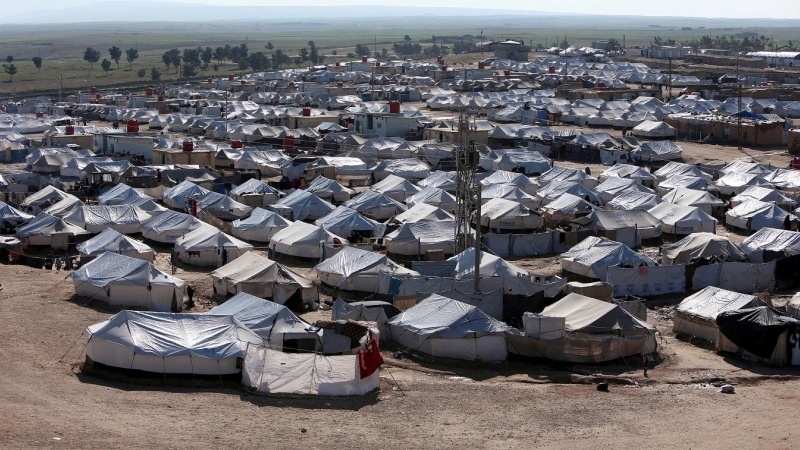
<point>370,359</point>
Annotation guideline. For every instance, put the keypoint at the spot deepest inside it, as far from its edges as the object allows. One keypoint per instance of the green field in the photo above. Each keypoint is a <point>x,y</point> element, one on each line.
<point>62,46</point>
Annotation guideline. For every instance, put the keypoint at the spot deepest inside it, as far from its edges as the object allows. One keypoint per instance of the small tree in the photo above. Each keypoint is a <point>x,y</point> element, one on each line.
<point>407,38</point>
<point>91,56</point>
<point>207,55</point>
<point>304,54</point>
<point>363,50</point>
<point>106,65</point>
<point>11,70</point>
<point>37,61</point>
<point>155,74</point>
<point>219,54</point>
<point>259,61</point>
<point>132,55</point>
<point>115,53</point>
<point>9,59</point>
<point>141,73</point>
<point>334,52</point>
<point>269,46</point>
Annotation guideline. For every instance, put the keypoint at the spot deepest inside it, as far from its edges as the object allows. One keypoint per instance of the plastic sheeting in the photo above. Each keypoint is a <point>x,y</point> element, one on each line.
<point>169,226</point>
<point>176,196</point>
<point>358,270</point>
<point>736,276</point>
<point>329,190</point>
<point>754,215</point>
<point>701,245</point>
<point>260,226</point>
<point>697,314</point>
<point>771,241</point>
<point>205,247</point>
<point>126,219</point>
<point>256,275</point>
<point>520,245</point>
<point>112,241</point>
<point>170,343</point>
<point>416,238</point>
<point>301,205</point>
<point>647,281</point>
<point>302,240</point>
<point>592,256</point>
<point>344,221</point>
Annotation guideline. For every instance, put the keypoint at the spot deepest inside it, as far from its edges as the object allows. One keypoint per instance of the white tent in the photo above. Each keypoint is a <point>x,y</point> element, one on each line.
<point>651,129</point>
<point>417,238</point>
<point>551,191</point>
<point>198,344</point>
<point>674,169</point>
<point>753,215</point>
<point>126,219</point>
<point>594,255</point>
<point>177,196</point>
<point>443,327</point>
<point>421,213</point>
<point>329,190</point>
<point>170,226</point>
<point>302,240</point>
<point>353,269</point>
<point>221,206</point>
<point>681,182</point>
<point>441,180</point>
<point>530,163</point>
<point>44,198</point>
<point>704,200</point>
<point>634,201</point>
<point>627,227</point>
<point>301,205</point>
<point>701,245</point>
<point>612,187</point>
<point>209,247</point>
<point>65,207</point>
<point>490,266</point>
<point>582,329</point>
<point>11,217</point>
<point>112,241</point>
<point>681,220</point>
<point>280,328</point>
<point>255,193</point>
<point>131,282</point>
<point>374,205</point>
<point>120,194</point>
<point>395,187</point>
<point>771,241</point>
<point>697,314</point>
<point>48,230</point>
<point>566,208</point>
<point>767,195</point>
<point>262,277</point>
<point>515,179</point>
<point>629,171</point>
<point>509,192</point>
<point>409,168</point>
<point>504,215</point>
<point>564,174</point>
<point>346,223</point>
<point>733,183</point>
<point>433,196</point>
<point>260,226</point>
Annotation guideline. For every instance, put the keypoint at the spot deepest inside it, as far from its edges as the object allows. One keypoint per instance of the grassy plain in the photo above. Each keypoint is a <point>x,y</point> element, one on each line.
<point>62,46</point>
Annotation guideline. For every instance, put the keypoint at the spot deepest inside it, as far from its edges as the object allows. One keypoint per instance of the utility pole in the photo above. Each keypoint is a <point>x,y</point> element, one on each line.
<point>60,87</point>
<point>738,104</point>
<point>467,194</point>
<point>669,80</point>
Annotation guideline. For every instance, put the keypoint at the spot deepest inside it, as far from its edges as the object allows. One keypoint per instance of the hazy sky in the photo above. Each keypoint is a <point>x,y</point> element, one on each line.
<point>778,9</point>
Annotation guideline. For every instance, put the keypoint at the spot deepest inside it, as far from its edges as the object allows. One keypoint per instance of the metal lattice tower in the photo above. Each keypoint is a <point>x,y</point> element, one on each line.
<point>466,189</point>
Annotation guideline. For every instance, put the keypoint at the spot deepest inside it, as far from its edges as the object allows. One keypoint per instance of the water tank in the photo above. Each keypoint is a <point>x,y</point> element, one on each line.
<point>600,85</point>
<point>148,91</point>
<point>231,77</point>
<point>188,145</point>
<point>394,107</point>
<point>481,65</point>
<point>93,101</point>
<point>93,90</point>
<point>210,80</point>
<point>552,69</point>
<point>306,112</point>
<point>364,59</point>
<point>237,144</point>
<point>338,63</point>
<point>377,63</point>
<point>443,67</point>
<point>507,73</point>
<point>340,84</point>
<point>70,130</point>
<point>242,82</point>
<point>133,126</point>
<point>288,141</point>
<point>98,96</point>
<point>38,114</point>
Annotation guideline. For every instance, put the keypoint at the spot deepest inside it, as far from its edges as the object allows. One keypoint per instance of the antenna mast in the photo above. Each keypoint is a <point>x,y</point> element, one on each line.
<point>467,193</point>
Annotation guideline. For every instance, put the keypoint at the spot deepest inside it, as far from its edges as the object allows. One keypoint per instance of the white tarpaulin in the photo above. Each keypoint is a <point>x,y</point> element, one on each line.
<point>772,240</point>
<point>647,281</point>
<point>736,276</point>
<point>520,245</point>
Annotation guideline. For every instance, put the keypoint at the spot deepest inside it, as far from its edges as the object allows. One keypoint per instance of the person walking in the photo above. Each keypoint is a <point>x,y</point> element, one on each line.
<point>190,294</point>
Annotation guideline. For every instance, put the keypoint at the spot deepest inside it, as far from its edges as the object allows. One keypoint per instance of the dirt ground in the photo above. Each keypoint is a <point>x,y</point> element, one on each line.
<point>47,402</point>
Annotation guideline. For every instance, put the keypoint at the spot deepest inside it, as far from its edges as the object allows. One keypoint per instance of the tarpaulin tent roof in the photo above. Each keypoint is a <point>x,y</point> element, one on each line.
<point>170,343</point>
<point>692,197</point>
<point>511,178</point>
<point>783,242</point>
<point>679,219</point>
<point>176,196</point>
<point>701,245</point>
<point>673,169</point>
<point>592,256</point>
<point>592,139</point>
<point>530,162</point>
<point>209,239</point>
<point>559,173</point>
<point>302,240</point>
<point>254,186</point>
<point>765,194</point>
<point>250,272</point>
<point>708,303</point>
<point>589,315</point>
<point>653,129</point>
<point>395,187</point>
<point>627,171</point>
<point>740,166</point>
<point>422,212</point>
<point>441,180</point>
<point>259,226</point>
<point>633,200</point>
<point>433,196</point>
<point>328,189</point>
<point>271,321</point>
<point>756,330</point>
<point>680,181</point>
<point>10,216</point>
<point>302,205</point>
<point>113,241</point>
<point>343,221</point>
<point>169,226</point>
<point>46,225</point>
<point>784,178</point>
<point>754,215</point>
<point>490,266</point>
<point>122,280</point>
<point>569,204</point>
<point>407,168</point>
<point>48,194</point>
<point>735,182</point>
<point>412,238</point>
<point>120,194</point>
<point>556,188</point>
<point>358,270</point>
<point>124,218</point>
<point>64,207</point>
<point>222,206</point>
<point>658,150</point>
<point>614,186</point>
<point>618,220</point>
<point>444,319</point>
<point>375,204</point>
<point>509,192</point>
